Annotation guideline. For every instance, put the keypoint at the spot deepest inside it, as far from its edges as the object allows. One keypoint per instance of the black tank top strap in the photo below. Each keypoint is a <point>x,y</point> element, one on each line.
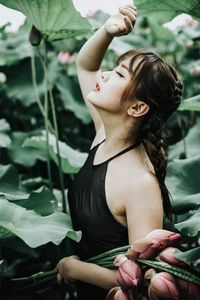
<point>97,145</point>
<point>124,151</point>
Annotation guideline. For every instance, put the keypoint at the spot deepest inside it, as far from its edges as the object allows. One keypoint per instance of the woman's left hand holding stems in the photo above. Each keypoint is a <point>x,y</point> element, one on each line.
<point>66,269</point>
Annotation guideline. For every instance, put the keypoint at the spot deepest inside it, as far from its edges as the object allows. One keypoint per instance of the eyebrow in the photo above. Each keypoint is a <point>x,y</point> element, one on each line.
<point>124,66</point>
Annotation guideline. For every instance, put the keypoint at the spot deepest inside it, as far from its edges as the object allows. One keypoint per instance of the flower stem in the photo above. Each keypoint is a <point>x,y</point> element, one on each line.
<point>61,177</point>
<point>46,105</point>
<point>37,98</point>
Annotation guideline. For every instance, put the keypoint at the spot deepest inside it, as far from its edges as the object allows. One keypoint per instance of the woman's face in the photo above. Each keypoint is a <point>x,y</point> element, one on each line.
<point>109,88</point>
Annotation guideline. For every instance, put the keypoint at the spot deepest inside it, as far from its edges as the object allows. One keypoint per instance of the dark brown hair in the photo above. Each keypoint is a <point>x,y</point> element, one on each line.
<point>156,83</point>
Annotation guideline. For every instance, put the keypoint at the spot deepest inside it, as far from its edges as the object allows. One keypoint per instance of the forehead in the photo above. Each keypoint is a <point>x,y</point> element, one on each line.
<point>131,63</point>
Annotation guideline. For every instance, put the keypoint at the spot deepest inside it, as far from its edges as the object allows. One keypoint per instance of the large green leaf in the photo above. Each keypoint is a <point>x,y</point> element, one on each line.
<point>34,229</point>
<point>9,183</point>
<point>183,176</point>
<point>189,146</point>
<point>191,104</point>
<point>55,19</point>
<point>13,49</point>
<point>21,155</point>
<point>183,204</point>
<point>4,133</point>
<point>69,95</point>
<point>191,257</point>
<point>20,85</point>
<point>170,8</point>
<point>71,160</point>
<point>183,183</point>
<point>42,201</point>
<point>191,226</point>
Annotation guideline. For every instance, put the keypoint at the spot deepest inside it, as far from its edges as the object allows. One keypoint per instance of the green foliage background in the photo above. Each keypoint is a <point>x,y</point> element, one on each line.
<point>46,131</point>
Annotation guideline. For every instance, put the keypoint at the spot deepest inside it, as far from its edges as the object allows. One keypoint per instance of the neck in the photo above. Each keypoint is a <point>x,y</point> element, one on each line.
<point>117,132</point>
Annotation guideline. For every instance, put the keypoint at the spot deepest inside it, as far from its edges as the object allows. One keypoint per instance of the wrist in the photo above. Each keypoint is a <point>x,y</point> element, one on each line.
<point>107,34</point>
<point>75,271</point>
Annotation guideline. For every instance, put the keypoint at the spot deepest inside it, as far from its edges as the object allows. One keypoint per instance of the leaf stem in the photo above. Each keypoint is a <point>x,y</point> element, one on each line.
<point>36,94</point>
<point>61,177</point>
<point>46,119</point>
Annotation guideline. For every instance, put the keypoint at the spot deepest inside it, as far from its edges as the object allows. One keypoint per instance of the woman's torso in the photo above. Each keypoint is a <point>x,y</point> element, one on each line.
<point>96,208</point>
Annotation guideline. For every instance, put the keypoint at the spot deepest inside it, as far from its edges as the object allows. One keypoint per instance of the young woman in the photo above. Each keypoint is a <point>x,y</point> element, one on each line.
<point>119,194</point>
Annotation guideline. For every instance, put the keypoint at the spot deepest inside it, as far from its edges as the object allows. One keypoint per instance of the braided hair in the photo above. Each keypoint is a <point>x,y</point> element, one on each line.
<point>156,83</point>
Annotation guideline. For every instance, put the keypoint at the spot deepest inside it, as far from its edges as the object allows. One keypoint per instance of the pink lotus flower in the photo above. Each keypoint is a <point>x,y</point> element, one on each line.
<point>117,293</point>
<point>143,248</point>
<point>163,286</point>
<point>167,255</point>
<point>129,273</point>
<point>66,57</point>
<point>164,237</point>
<point>149,246</point>
<point>91,13</point>
<point>188,290</point>
<point>112,292</point>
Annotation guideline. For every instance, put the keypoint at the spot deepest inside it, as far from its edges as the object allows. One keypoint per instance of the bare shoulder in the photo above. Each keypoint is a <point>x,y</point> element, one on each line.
<point>144,187</point>
<point>143,206</point>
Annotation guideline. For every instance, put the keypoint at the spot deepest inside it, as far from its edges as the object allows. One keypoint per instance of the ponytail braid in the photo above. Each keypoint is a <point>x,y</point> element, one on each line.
<point>152,137</point>
<point>156,83</point>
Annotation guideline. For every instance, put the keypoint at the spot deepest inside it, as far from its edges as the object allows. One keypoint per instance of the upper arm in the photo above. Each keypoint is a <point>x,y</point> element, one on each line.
<point>87,81</point>
<point>145,212</point>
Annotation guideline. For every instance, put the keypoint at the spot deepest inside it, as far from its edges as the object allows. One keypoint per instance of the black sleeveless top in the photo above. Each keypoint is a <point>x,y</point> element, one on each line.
<point>90,214</point>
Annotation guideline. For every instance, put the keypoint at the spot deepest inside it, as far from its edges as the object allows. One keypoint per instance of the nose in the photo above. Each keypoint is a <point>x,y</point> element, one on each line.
<point>104,76</point>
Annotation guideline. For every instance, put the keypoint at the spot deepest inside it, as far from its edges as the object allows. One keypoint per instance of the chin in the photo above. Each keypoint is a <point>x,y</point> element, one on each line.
<point>91,97</point>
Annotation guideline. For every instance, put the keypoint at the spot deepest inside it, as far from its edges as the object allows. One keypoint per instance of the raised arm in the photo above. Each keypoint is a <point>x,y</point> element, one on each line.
<point>92,53</point>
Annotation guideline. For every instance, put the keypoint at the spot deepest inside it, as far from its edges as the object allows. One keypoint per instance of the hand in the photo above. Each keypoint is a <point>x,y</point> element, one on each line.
<point>123,22</point>
<point>66,269</point>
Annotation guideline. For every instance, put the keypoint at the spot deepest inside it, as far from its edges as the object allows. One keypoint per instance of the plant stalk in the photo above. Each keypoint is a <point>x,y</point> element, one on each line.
<point>61,177</point>
<point>34,81</point>
<point>46,119</point>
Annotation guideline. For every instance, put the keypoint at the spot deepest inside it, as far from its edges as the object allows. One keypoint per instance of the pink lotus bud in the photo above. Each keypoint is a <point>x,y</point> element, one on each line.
<point>112,292</point>
<point>149,274</point>
<point>164,237</point>
<point>188,21</point>
<point>117,293</point>
<point>188,290</point>
<point>144,248</point>
<point>129,273</point>
<point>91,13</point>
<point>163,286</point>
<point>149,246</point>
<point>167,255</point>
<point>121,295</point>
<point>66,57</point>
<point>120,259</point>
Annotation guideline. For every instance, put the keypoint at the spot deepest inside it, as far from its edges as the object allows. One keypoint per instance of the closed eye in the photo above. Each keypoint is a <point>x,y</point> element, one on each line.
<point>118,73</point>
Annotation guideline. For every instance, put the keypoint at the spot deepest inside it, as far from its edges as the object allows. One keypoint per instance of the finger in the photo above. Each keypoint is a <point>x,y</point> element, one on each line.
<point>59,279</point>
<point>128,23</point>
<point>132,11</point>
<point>127,12</point>
<point>133,7</point>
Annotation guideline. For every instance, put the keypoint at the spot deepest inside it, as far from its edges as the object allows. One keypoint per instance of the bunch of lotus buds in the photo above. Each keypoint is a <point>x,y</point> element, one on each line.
<point>159,285</point>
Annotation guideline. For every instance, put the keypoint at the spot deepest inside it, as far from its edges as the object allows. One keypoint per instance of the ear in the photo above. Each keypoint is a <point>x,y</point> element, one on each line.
<point>138,109</point>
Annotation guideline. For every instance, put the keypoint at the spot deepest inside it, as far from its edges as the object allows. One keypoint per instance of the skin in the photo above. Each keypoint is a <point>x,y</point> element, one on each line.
<point>132,191</point>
